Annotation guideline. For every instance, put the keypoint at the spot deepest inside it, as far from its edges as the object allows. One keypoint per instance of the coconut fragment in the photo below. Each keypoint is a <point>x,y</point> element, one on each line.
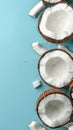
<point>35,126</point>
<point>37,8</point>
<point>54,108</point>
<point>38,48</point>
<point>55,24</point>
<point>65,49</point>
<point>37,83</point>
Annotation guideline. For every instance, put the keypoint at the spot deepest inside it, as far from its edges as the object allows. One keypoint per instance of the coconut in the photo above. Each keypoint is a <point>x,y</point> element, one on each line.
<point>55,24</point>
<point>56,68</point>
<point>54,108</point>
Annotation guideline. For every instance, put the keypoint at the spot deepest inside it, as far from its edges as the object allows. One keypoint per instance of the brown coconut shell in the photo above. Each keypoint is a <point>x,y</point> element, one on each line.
<point>49,92</point>
<point>49,39</point>
<point>39,67</point>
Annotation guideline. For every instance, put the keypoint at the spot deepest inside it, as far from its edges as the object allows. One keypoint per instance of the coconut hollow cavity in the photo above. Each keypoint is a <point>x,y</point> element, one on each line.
<point>55,24</point>
<point>54,108</point>
<point>56,68</point>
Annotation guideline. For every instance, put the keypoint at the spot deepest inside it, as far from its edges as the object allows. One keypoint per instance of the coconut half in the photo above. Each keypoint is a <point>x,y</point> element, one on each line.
<point>52,1</point>
<point>55,24</point>
<point>54,108</point>
<point>56,68</point>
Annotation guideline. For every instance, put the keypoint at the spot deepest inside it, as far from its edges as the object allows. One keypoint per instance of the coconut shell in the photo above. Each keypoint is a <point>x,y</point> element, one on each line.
<point>39,67</point>
<point>49,92</point>
<point>49,39</point>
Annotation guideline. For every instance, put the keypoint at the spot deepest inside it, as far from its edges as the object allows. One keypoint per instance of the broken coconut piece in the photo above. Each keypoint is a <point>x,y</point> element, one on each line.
<point>55,24</point>
<point>38,48</point>
<point>56,68</point>
<point>37,83</point>
<point>35,126</point>
<point>36,9</point>
<point>65,49</point>
<point>54,108</point>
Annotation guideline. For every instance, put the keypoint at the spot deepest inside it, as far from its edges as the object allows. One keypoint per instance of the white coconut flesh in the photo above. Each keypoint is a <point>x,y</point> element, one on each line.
<point>55,110</point>
<point>56,22</point>
<point>55,68</point>
<point>52,1</point>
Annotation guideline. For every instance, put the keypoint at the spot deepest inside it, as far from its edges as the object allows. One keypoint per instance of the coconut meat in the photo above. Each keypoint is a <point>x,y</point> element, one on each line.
<point>35,126</point>
<point>55,68</point>
<point>37,83</point>
<point>56,22</point>
<point>55,109</point>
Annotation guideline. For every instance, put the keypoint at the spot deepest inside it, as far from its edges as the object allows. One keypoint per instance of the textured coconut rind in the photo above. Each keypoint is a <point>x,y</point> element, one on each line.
<point>49,39</point>
<point>52,3</point>
<point>49,92</point>
<point>39,68</point>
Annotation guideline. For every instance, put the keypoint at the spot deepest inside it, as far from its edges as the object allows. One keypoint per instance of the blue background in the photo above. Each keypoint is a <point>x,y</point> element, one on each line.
<point>18,64</point>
